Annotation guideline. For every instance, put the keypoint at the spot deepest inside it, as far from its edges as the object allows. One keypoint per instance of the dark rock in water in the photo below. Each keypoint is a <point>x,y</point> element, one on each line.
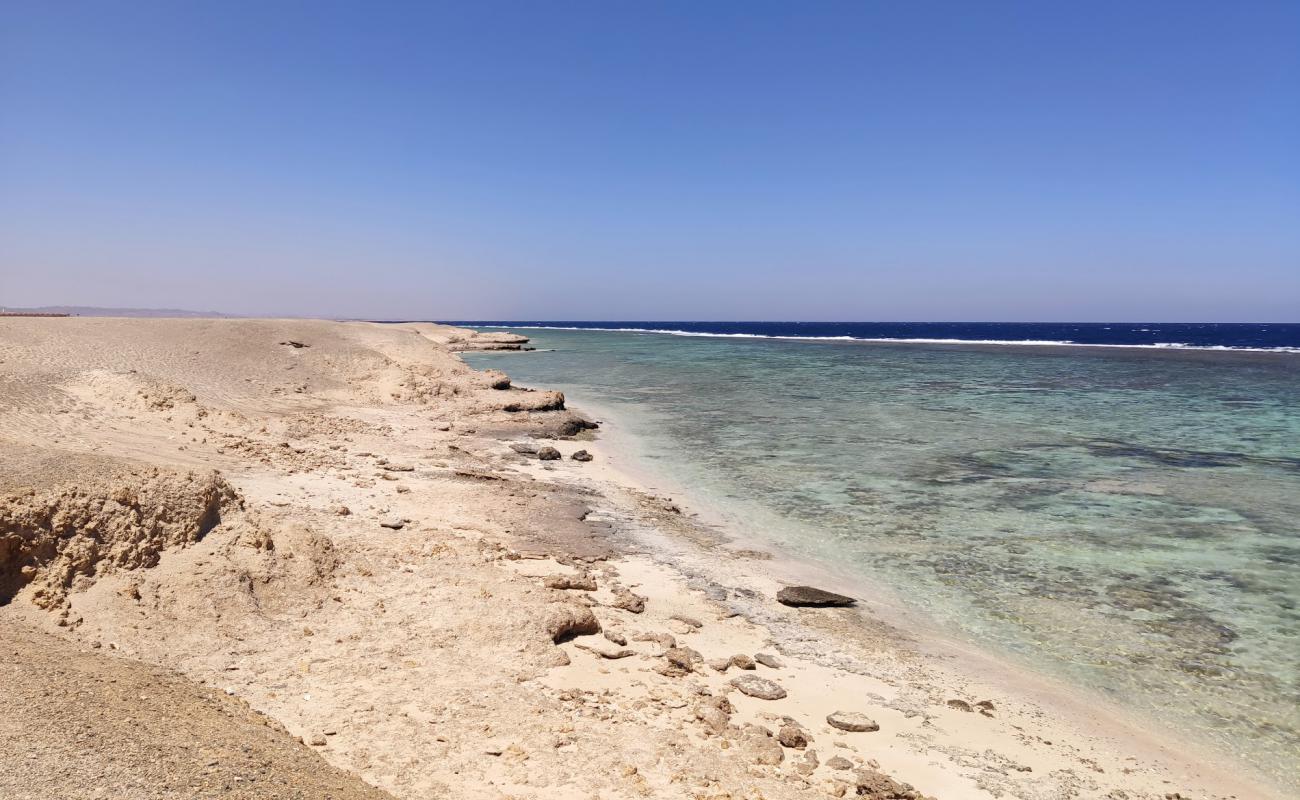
<point>811,596</point>
<point>548,454</point>
<point>576,425</point>
<point>581,455</point>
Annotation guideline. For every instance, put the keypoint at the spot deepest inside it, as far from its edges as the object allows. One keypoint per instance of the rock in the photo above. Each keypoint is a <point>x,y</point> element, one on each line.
<point>317,739</point>
<point>720,664</point>
<point>852,721</point>
<point>742,661</point>
<point>811,596</point>
<point>565,621</point>
<point>762,747</point>
<point>684,658</point>
<point>581,455</point>
<point>399,468</point>
<point>628,601</point>
<point>808,764</point>
<point>496,379</point>
<point>761,688</point>
<point>296,346</point>
<point>555,658</point>
<point>839,762</point>
<point>584,583</point>
<point>664,640</point>
<point>616,637</point>
<point>548,454</point>
<point>342,511</point>
<point>396,523</point>
<point>960,705</point>
<point>793,736</point>
<point>679,627</point>
<point>715,713</point>
<point>768,660</point>
<point>691,621</point>
<point>879,786</point>
<point>524,448</point>
<point>607,652</point>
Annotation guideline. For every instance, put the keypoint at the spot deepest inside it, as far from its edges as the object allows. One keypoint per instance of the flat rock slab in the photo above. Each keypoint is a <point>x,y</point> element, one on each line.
<point>812,596</point>
<point>761,688</point>
<point>852,721</point>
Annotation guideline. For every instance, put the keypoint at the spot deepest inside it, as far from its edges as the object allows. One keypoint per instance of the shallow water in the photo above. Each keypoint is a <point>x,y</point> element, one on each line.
<point>1129,520</point>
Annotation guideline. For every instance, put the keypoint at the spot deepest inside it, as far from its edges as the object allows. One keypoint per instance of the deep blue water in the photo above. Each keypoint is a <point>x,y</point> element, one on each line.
<point>1259,336</point>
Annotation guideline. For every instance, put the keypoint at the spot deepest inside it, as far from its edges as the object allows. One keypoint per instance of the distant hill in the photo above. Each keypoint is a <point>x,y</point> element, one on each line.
<point>96,311</point>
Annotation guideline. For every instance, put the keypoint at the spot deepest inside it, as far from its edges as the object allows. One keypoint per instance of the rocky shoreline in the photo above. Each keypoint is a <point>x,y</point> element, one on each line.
<point>437,582</point>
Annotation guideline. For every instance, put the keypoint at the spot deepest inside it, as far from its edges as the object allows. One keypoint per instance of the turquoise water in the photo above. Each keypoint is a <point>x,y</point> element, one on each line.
<point>1129,520</point>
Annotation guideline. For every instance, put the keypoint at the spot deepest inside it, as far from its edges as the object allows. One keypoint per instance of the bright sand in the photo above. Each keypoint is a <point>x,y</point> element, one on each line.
<point>423,656</point>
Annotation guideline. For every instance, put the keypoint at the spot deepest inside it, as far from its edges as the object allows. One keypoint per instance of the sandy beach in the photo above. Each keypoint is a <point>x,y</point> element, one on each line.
<point>329,561</point>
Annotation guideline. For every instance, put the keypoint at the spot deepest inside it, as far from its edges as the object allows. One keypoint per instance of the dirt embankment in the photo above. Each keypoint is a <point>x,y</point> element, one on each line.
<point>76,724</point>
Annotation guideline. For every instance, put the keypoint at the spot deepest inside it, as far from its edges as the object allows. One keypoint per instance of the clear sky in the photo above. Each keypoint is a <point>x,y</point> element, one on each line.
<point>655,160</point>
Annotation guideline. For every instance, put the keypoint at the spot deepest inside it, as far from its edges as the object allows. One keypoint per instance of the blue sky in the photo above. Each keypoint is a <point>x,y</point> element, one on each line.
<point>656,160</point>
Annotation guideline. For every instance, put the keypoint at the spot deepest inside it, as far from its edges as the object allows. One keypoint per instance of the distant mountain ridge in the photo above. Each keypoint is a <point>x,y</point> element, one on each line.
<point>98,311</point>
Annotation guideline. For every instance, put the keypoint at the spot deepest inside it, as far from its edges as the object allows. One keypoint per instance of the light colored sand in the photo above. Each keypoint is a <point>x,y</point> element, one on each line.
<point>422,657</point>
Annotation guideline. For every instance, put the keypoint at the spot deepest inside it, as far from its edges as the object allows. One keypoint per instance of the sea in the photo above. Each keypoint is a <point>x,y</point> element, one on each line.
<point>1114,505</point>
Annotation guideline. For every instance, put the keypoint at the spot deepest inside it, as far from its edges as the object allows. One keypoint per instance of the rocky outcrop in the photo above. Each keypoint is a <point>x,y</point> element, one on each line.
<point>530,400</point>
<point>58,536</point>
<point>475,341</point>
